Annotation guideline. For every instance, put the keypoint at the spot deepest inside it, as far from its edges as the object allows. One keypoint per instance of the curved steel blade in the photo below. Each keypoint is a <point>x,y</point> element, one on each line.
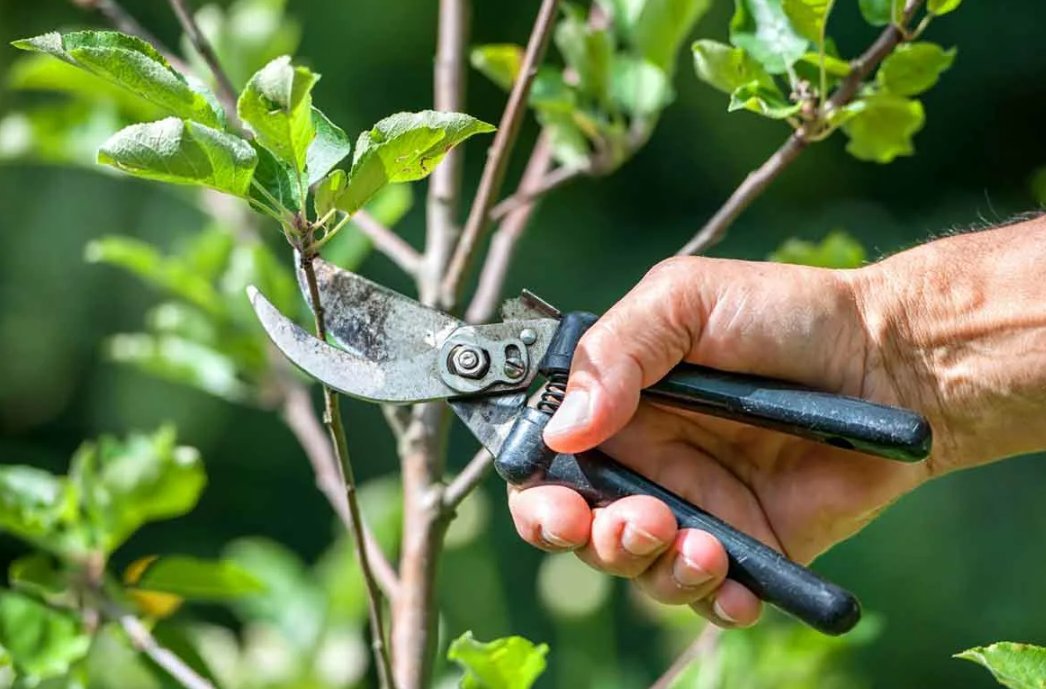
<point>355,373</point>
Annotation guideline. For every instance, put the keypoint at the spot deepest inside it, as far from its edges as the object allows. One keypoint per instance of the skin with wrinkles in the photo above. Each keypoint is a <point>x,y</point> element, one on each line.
<point>955,329</point>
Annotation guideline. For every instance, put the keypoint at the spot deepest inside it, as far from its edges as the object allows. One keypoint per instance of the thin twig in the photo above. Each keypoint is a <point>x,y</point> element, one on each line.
<point>559,177</point>
<point>123,21</point>
<point>388,242</point>
<point>756,182</point>
<point>498,156</point>
<point>332,419</point>
<point>503,244</point>
<point>226,92</point>
<point>143,640</point>
<point>465,482</point>
<point>700,649</point>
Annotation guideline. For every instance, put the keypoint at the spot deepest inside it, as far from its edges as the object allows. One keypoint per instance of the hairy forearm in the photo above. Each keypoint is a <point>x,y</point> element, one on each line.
<point>958,326</point>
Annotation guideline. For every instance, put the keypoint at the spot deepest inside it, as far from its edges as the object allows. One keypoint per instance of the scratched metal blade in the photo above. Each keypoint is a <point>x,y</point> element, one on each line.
<point>388,379</point>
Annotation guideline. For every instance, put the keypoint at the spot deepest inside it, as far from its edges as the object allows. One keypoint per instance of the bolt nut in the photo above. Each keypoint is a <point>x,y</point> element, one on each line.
<point>528,336</point>
<point>468,362</point>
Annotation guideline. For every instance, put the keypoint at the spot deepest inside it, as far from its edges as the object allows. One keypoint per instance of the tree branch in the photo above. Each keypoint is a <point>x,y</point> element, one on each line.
<point>758,180</point>
<point>559,177</point>
<point>122,20</point>
<point>498,155</point>
<point>470,477</point>
<point>143,640</point>
<point>503,244</point>
<point>332,419</point>
<point>388,242</point>
<point>226,92</point>
<point>700,649</point>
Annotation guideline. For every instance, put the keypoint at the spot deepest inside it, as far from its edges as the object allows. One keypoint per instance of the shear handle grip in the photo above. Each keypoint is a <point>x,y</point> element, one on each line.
<point>846,422</point>
<point>764,571</point>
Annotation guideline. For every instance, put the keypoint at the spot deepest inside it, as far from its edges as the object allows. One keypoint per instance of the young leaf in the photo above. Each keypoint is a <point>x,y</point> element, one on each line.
<point>328,149</point>
<point>881,127</point>
<point>940,7</point>
<point>837,250</point>
<point>277,105</point>
<point>637,87</point>
<point>834,67</point>
<point>588,51</point>
<point>132,64</point>
<point>275,182</point>
<point>808,17</point>
<point>661,26</point>
<point>913,68</point>
<point>182,152</point>
<point>881,12</point>
<point>509,663</point>
<point>41,642</point>
<point>35,505</point>
<point>195,579</point>
<point>727,68</point>
<point>499,62</point>
<point>1017,666</point>
<point>762,28</point>
<point>767,101</point>
<point>37,575</point>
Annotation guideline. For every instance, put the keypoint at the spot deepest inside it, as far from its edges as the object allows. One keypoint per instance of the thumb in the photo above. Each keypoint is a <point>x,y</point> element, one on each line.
<point>631,347</point>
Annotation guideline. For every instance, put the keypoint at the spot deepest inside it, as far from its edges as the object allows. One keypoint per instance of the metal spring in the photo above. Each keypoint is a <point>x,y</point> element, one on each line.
<point>553,394</point>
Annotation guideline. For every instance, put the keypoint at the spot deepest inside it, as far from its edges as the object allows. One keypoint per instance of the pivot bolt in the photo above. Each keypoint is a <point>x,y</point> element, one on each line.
<point>528,336</point>
<point>468,362</point>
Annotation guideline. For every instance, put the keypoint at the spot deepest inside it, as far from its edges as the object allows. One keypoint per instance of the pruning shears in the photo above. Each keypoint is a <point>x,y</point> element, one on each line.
<point>393,350</point>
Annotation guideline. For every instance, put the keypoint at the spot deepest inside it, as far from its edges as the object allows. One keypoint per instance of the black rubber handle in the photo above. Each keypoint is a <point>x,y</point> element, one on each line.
<point>846,422</point>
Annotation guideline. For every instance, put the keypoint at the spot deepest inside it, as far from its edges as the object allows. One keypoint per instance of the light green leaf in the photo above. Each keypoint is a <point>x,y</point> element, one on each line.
<point>809,17</point>
<point>127,483</point>
<point>833,66</point>
<point>37,575</point>
<point>762,29</point>
<point>727,68</point>
<point>767,101</point>
<point>328,149</point>
<point>881,12</point>
<point>277,105</point>
<point>182,152</point>
<point>499,62</point>
<point>881,127</point>
<point>837,250</point>
<point>940,7</point>
<point>913,68</point>
<point>660,27</point>
<point>588,51</point>
<point>1017,666</point>
<point>36,505</point>
<point>132,64</point>
<point>638,87</point>
<point>551,93</point>
<point>509,663</point>
<point>195,579</point>
<point>41,642</point>
<point>275,183</point>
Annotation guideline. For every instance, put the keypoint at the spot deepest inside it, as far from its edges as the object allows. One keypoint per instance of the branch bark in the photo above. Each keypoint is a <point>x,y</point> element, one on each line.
<point>143,640</point>
<point>553,180</point>
<point>759,179</point>
<point>498,155</point>
<point>226,92</point>
<point>389,243</point>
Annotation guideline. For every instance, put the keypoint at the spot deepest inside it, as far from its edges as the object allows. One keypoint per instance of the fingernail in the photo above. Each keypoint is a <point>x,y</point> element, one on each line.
<point>721,614</point>
<point>574,412</point>
<point>639,542</point>
<point>687,573</point>
<point>555,540</point>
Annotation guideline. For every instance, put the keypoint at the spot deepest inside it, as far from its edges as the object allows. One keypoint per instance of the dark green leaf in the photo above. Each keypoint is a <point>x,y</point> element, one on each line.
<point>727,68</point>
<point>639,88</point>
<point>1017,666</point>
<point>913,68</point>
<point>126,483</point>
<point>182,152</point>
<point>837,250</point>
<point>509,663</point>
<point>762,29</point>
<point>767,101</point>
<point>881,127</point>
<point>499,62</point>
<point>881,12</point>
<point>41,642</point>
<point>195,579</point>
<point>38,575</point>
<point>132,64</point>
<point>277,105</point>
<point>36,505</point>
<point>328,149</point>
<point>940,7</point>
<point>588,51</point>
<point>809,17</point>
<point>275,183</point>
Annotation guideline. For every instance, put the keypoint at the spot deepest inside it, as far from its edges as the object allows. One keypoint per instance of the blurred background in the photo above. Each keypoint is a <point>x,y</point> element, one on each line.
<point>958,564</point>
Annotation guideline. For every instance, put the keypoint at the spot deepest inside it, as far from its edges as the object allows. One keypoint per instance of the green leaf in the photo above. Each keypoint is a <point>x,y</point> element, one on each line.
<point>837,250</point>
<point>499,62</point>
<point>277,105</point>
<point>195,579</point>
<point>41,642</point>
<point>726,68</point>
<point>127,483</point>
<point>509,663</point>
<point>551,93</point>
<point>639,88</point>
<point>1037,183</point>
<point>833,66</point>
<point>254,263</point>
<point>37,575</point>
<point>350,246</point>
<point>657,28</point>
<point>913,68</point>
<point>1018,666</point>
<point>767,101</point>
<point>328,149</point>
<point>762,28</point>
<point>809,17</point>
<point>182,152</point>
<point>400,148</point>
<point>588,51</point>
<point>132,64</point>
<point>881,127</point>
<point>940,7</point>
<point>36,505</point>
<point>881,12</point>
<point>275,183</point>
